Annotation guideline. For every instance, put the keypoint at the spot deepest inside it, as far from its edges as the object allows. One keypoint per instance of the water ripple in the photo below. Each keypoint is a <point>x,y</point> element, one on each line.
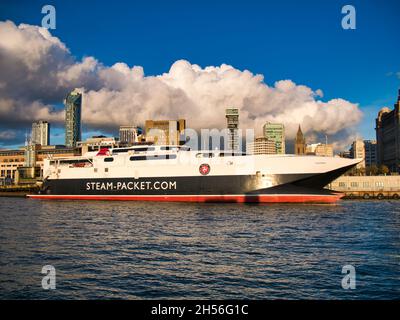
<point>136,250</point>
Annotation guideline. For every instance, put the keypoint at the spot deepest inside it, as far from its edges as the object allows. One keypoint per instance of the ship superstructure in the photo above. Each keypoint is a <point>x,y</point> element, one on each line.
<point>176,173</point>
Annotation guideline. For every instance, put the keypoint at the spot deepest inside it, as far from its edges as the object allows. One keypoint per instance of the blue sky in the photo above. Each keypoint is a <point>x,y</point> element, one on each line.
<point>298,40</point>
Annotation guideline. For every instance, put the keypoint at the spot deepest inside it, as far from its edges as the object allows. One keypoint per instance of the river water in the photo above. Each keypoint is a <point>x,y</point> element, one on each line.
<point>139,250</point>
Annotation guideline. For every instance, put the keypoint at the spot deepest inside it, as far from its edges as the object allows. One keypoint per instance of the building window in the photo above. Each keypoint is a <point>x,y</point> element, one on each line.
<point>379,184</point>
<point>354,184</point>
<point>342,184</point>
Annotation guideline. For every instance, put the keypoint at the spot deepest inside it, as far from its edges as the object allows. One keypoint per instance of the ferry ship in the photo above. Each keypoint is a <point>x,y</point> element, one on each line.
<point>176,173</point>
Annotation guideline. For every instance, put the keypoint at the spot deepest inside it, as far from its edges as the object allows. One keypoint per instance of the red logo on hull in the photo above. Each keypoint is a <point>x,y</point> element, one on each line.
<point>204,169</point>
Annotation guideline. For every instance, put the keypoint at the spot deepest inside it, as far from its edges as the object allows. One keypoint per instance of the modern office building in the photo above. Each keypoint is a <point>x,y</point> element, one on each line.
<point>232,121</point>
<point>300,143</point>
<point>165,132</point>
<point>30,155</point>
<point>357,151</point>
<point>320,149</point>
<point>388,137</point>
<point>276,133</point>
<point>128,135</point>
<point>40,133</point>
<point>73,110</point>
<point>261,145</point>
<point>370,153</point>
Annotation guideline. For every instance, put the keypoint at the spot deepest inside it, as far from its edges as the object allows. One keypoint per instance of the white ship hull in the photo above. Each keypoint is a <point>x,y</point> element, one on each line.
<point>193,176</point>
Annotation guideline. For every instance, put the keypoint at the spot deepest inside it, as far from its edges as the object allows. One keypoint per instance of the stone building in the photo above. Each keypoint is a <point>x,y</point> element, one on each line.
<point>300,143</point>
<point>388,137</point>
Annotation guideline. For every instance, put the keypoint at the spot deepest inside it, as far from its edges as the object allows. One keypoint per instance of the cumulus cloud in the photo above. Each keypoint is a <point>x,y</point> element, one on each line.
<point>37,71</point>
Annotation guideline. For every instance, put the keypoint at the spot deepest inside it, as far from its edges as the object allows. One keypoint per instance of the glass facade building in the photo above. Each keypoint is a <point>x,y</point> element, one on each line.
<point>276,133</point>
<point>371,157</point>
<point>73,109</point>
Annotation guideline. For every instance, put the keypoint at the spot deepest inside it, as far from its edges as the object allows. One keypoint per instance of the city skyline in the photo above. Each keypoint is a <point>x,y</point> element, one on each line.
<point>72,128</point>
<point>201,157</point>
<point>343,73</point>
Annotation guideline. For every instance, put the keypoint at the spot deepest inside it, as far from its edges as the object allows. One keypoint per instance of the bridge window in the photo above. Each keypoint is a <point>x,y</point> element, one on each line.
<point>137,158</point>
<point>144,149</point>
<point>121,150</point>
<point>153,157</point>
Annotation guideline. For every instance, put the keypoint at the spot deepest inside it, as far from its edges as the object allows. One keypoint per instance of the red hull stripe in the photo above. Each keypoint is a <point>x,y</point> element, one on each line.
<point>273,198</point>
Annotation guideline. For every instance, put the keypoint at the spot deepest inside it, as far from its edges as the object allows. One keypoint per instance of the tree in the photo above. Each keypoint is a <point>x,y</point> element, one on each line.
<point>383,170</point>
<point>373,170</point>
<point>361,171</point>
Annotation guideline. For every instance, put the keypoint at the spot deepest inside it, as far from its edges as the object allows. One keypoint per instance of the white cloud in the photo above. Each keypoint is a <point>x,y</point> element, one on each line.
<point>7,135</point>
<point>38,70</point>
